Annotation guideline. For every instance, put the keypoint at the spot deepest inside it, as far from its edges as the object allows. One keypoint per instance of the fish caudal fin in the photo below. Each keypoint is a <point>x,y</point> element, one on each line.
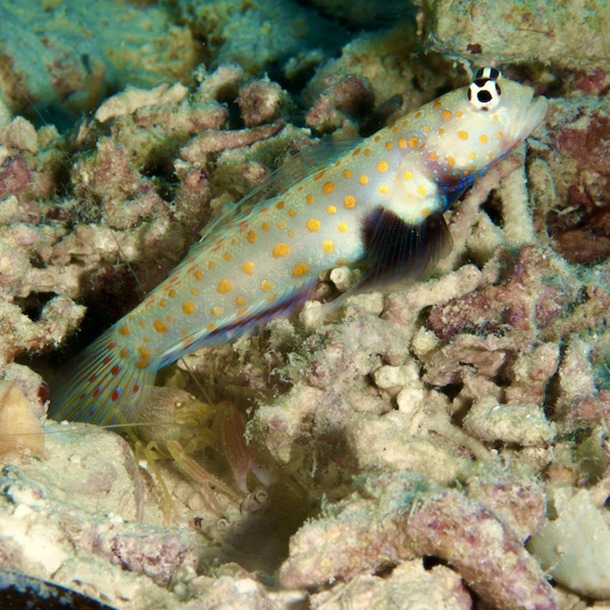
<point>99,386</point>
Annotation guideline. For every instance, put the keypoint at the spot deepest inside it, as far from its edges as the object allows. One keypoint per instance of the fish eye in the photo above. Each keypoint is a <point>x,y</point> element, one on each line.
<point>484,93</point>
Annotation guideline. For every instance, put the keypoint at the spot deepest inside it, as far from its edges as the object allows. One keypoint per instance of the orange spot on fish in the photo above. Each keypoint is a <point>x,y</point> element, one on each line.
<point>189,307</point>
<point>160,326</point>
<point>328,188</point>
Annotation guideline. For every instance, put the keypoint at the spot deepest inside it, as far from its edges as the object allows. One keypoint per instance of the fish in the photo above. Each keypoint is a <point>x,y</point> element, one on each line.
<point>377,206</point>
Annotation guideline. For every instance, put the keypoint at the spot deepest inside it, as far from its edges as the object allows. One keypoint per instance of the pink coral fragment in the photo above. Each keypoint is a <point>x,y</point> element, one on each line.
<point>487,554</point>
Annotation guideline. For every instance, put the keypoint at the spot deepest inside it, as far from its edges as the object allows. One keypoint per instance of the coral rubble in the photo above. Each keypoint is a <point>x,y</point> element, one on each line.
<point>442,442</point>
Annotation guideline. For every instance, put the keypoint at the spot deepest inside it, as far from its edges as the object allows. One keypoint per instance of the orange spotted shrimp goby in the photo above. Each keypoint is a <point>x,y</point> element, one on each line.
<point>377,206</point>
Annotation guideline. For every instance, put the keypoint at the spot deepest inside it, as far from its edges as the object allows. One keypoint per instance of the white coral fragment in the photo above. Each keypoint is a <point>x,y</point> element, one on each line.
<point>524,424</point>
<point>132,99</point>
<point>575,547</point>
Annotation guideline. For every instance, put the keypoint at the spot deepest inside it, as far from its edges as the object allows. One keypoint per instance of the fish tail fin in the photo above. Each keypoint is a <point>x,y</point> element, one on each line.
<point>101,385</point>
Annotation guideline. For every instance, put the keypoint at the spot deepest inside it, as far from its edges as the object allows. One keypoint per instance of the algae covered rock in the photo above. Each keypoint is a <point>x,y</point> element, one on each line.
<point>535,31</point>
<point>66,57</point>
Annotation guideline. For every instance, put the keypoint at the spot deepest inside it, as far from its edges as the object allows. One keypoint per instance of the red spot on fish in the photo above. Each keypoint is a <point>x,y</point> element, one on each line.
<point>115,395</point>
<point>115,369</point>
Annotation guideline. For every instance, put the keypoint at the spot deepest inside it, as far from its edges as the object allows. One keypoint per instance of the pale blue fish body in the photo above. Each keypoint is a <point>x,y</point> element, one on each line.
<point>378,206</point>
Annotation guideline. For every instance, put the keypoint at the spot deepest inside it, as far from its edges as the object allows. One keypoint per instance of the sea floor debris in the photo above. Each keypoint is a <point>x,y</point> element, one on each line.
<point>420,443</point>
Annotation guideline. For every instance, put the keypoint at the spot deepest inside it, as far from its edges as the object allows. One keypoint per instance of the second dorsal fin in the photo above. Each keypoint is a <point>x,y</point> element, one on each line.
<point>293,170</point>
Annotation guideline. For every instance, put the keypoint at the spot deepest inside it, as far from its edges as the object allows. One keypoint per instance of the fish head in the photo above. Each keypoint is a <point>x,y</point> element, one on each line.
<point>477,125</point>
